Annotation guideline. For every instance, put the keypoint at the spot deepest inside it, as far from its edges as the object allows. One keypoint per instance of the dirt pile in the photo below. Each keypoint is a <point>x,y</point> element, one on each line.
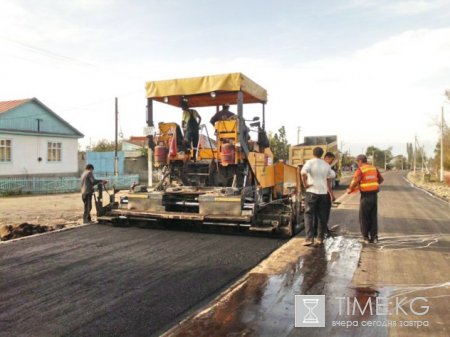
<point>8,232</point>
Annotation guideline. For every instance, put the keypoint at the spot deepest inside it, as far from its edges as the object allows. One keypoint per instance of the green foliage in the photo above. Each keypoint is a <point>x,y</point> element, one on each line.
<point>346,159</point>
<point>279,145</point>
<point>400,162</point>
<point>378,157</point>
<point>104,145</point>
<point>144,152</point>
<point>437,151</point>
<point>410,152</point>
<point>421,157</point>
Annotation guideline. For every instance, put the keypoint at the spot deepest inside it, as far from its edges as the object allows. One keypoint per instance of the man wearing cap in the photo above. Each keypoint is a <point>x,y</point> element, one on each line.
<point>368,179</point>
<point>222,115</point>
<point>314,175</point>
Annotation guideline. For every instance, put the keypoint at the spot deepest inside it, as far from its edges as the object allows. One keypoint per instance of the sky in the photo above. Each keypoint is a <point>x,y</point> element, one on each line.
<point>374,72</point>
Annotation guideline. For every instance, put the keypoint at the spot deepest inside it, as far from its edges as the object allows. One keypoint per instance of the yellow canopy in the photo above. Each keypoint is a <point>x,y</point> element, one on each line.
<point>206,90</point>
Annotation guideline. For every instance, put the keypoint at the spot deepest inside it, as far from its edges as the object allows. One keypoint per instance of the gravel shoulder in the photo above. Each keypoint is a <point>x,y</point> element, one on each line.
<point>436,188</point>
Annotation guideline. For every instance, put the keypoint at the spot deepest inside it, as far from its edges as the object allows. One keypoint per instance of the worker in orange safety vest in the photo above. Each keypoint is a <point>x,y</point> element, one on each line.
<point>368,179</point>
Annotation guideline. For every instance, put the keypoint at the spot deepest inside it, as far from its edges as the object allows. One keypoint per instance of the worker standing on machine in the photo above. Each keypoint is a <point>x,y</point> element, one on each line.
<point>191,125</point>
<point>222,115</point>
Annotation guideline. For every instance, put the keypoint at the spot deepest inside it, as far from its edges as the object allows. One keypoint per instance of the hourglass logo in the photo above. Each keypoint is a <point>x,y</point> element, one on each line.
<point>309,310</point>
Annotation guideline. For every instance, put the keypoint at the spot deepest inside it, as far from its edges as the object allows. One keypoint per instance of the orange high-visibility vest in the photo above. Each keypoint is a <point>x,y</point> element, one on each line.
<point>369,180</point>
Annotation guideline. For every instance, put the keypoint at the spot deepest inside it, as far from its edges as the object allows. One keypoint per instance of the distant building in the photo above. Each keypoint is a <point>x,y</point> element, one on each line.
<point>34,140</point>
<point>135,143</point>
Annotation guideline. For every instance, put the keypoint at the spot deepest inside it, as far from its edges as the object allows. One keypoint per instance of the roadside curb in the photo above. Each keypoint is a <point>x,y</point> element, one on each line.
<point>430,193</point>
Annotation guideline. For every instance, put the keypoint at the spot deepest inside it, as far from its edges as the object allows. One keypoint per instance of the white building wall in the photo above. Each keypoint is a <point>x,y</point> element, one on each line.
<point>26,151</point>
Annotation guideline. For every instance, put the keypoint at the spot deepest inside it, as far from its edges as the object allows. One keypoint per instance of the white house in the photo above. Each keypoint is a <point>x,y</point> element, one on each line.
<point>36,141</point>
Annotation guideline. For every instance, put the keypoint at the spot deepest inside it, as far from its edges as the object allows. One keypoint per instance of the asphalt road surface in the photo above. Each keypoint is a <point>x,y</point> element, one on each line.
<point>103,281</point>
<point>411,260</point>
<point>410,265</point>
<point>108,281</point>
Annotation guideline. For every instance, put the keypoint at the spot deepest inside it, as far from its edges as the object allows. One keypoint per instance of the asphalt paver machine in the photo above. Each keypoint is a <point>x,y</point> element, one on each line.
<point>230,181</point>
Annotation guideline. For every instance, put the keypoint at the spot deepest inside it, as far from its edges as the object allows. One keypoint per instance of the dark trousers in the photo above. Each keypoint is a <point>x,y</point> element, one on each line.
<point>316,204</point>
<point>87,200</point>
<point>328,212</point>
<point>192,135</point>
<point>368,215</point>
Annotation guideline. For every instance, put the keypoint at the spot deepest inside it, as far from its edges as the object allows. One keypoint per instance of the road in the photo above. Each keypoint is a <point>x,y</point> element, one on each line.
<point>408,272</point>
<point>105,281</point>
<point>108,281</point>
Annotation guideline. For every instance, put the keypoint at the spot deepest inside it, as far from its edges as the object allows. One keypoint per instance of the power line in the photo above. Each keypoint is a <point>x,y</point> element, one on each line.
<point>49,53</point>
<point>62,58</point>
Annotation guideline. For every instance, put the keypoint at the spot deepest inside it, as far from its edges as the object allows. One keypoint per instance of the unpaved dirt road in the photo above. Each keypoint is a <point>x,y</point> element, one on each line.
<point>49,210</point>
<point>107,281</point>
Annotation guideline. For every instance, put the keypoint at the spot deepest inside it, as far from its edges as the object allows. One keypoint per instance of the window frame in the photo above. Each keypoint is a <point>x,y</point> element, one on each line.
<point>3,149</point>
<point>54,151</point>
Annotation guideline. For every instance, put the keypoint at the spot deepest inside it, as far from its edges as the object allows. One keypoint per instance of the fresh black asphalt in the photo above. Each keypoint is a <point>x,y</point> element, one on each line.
<point>110,281</point>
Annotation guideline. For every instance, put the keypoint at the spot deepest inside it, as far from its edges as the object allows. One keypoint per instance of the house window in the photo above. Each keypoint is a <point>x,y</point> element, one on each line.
<point>5,150</point>
<point>54,151</point>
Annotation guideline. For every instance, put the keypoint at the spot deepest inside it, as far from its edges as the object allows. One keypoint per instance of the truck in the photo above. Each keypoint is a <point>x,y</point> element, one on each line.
<point>233,185</point>
<point>299,154</point>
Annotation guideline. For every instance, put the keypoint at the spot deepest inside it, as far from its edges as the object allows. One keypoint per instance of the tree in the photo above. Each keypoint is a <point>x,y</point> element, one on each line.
<point>379,157</point>
<point>437,150</point>
<point>421,157</point>
<point>279,145</point>
<point>399,162</point>
<point>347,160</point>
<point>410,152</point>
<point>104,145</point>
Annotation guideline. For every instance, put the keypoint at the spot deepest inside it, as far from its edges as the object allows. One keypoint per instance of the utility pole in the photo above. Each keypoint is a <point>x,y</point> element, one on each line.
<point>298,134</point>
<point>150,127</point>
<point>441,172</point>
<point>116,145</point>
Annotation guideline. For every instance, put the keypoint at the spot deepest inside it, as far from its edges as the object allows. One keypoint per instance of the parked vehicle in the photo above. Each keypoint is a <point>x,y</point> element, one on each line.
<point>299,154</point>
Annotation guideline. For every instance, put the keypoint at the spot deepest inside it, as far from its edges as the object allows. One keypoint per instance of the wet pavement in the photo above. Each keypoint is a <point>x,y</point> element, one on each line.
<point>399,287</point>
<point>263,305</point>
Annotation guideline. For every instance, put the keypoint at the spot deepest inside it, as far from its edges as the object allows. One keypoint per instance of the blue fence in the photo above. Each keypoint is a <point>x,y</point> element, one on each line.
<point>104,161</point>
<point>41,185</point>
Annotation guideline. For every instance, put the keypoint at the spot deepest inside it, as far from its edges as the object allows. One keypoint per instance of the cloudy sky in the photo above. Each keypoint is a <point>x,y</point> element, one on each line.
<point>371,71</point>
